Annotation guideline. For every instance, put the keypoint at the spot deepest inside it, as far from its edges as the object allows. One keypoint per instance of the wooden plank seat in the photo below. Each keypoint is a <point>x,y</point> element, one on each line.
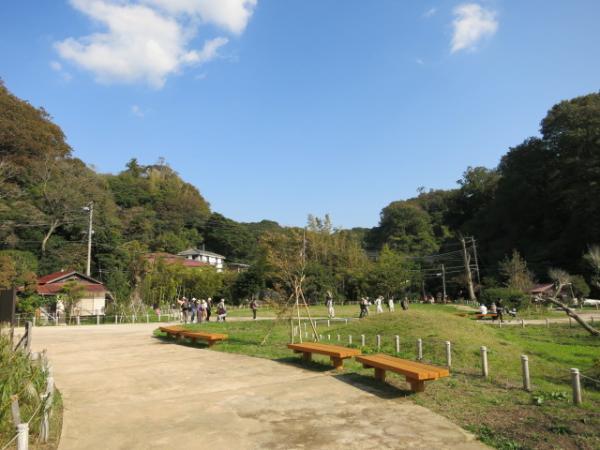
<point>416,373</point>
<point>483,316</point>
<point>172,330</point>
<point>209,338</point>
<point>336,353</point>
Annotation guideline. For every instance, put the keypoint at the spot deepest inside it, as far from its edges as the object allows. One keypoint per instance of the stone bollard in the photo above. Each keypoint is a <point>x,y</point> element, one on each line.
<point>525,370</point>
<point>484,362</point>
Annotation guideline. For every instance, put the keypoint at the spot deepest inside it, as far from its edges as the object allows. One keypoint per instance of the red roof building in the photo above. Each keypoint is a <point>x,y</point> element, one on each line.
<point>94,300</point>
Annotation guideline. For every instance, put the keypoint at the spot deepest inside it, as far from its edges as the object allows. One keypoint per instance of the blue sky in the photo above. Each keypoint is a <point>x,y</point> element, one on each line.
<point>278,108</point>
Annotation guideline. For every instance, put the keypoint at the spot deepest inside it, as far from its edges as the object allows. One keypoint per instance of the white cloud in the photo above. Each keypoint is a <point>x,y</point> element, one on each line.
<point>148,40</point>
<point>471,24</point>
<point>430,12</point>
<point>56,66</point>
<point>137,111</point>
<point>232,15</point>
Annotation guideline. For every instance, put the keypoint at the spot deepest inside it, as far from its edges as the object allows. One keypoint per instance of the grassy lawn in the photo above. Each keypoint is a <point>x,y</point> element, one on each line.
<point>497,409</point>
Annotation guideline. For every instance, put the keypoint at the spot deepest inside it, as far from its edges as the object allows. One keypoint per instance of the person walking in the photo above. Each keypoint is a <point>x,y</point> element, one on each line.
<point>208,309</point>
<point>193,309</point>
<point>329,304</point>
<point>221,311</point>
<point>404,303</point>
<point>391,304</point>
<point>378,307</point>
<point>253,307</point>
<point>364,307</point>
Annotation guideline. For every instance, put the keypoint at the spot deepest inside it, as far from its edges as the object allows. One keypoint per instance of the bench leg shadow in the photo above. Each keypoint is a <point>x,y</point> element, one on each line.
<point>373,386</point>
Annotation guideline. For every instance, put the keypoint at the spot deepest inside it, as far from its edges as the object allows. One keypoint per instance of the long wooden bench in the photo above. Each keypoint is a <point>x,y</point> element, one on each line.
<point>209,338</point>
<point>336,353</point>
<point>416,373</point>
<point>172,331</point>
<point>483,316</point>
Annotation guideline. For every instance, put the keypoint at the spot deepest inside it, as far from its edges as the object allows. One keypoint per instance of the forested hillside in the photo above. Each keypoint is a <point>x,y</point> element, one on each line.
<point>542,200</point>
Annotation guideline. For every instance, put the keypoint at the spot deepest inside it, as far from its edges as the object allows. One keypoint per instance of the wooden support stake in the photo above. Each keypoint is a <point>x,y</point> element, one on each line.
<point>484,362</point>
<point>525,370</point>
<point>28,336</point>
<point>576,385</point>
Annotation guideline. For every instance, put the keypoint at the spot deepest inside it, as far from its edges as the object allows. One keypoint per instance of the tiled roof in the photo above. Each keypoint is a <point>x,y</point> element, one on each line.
<point>55,288</point>
<point>195,251</point>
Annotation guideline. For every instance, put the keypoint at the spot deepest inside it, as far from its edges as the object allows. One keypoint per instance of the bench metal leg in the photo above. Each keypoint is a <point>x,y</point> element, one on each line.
<point>338,363</point>
<point>306,357</point>
<point>416,385</point>
<point>379,374</point>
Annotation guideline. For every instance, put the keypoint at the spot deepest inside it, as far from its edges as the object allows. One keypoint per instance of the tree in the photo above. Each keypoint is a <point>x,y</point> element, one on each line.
<point>562,279</point>
<point>592,257</point>
<point>71,293</point>
<point>515,272</point>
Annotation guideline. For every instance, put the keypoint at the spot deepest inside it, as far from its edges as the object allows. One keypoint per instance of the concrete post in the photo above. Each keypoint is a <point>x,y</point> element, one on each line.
<point>97,319</point>
<point>525,370</point>
<point>378,342</point>
<point>78,320</point>
<point>349,339</point>
<point>522,323</point>
<point>362,340</point>
<point>576,385</point>
<point>328,337</point>
<point>547,323</point>
<point>23,438</point>
<point>419,349</point>
<point>448,354</point>
<point>397,344</point>
<point>328,323</point>
<point>484,362</point>
<point>339,338</point>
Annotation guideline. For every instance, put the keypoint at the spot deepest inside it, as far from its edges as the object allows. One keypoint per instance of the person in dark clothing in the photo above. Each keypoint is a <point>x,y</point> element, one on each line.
<point>208,309</point>
<point>253,307</point>
<point>404,304</point>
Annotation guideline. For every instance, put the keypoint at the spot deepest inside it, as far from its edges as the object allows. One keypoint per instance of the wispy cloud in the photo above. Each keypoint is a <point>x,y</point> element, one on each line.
<point>472,23</point>
<point>137,111</point>
<point>148,40</point>
<point>58,68</point>
<point>430,12</point>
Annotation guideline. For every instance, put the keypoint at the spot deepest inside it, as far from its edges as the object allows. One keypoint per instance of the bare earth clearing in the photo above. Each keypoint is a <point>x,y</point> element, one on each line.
<point>124,389</point>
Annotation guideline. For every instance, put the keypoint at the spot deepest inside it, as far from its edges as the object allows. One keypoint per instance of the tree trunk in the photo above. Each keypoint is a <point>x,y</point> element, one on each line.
<point>572,313</point>
<point>51,230</point>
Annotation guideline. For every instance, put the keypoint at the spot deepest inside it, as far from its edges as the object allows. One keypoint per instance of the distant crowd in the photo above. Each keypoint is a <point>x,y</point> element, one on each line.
<point>198,311</point>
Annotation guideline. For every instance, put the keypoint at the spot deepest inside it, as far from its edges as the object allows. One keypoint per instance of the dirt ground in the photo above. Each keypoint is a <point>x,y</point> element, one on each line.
<point>124,389</point>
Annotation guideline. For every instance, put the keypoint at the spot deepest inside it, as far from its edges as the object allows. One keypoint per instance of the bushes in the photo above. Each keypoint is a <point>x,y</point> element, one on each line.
<point>511,298</point>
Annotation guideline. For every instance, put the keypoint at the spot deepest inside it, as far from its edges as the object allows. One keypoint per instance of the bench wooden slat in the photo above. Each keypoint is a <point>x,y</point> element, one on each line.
<point>417,370</point>
<point>325,349</point>
<point>203,335</point>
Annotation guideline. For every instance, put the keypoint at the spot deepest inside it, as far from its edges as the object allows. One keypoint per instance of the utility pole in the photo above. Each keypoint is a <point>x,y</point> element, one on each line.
<point>444,283</point>
<point>468,275</point>
<point>89,208</point>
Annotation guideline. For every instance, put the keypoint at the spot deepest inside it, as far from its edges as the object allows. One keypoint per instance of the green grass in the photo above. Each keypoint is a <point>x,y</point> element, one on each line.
<point>497,409</point>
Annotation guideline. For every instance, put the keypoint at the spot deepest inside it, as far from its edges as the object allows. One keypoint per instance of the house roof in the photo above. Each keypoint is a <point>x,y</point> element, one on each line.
<point>61,275</point>
<point>195,251</point>
<point>168,258</point>
<point>53,283</point>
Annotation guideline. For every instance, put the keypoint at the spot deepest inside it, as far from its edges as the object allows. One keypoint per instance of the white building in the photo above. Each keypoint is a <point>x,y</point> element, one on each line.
<point>214,259</point>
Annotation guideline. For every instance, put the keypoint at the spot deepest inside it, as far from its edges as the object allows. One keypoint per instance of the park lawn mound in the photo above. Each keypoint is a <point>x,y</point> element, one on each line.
<point>496,409</point>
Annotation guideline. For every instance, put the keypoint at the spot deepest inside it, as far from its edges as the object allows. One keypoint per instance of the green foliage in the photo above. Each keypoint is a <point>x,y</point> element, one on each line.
<point>580,287</point>
<point>515,273</point>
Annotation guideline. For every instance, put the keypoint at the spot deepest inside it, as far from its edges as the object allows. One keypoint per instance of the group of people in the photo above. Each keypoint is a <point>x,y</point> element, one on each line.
<point>198,311</point>
<point>365,302</point>
<point>498,309</point>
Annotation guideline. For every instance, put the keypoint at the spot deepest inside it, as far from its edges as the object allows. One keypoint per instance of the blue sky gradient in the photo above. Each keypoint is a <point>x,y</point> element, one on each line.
<point>316,106</point>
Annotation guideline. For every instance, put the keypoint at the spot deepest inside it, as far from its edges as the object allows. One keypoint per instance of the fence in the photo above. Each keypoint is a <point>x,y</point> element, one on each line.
<point>97,319</point>
<point>39,420</point>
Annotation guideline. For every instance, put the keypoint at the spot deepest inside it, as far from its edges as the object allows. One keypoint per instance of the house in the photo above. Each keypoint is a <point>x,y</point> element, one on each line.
<point>543,290</point>
<point>94,297</point>
<point>238,267</point>
<point>214,259</point>
<point>169,258</point>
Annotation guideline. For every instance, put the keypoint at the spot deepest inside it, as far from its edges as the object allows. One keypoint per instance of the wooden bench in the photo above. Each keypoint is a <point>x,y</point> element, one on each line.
<point>336,353</point>
<point>416,373</point>
<point>209,338</point>
<point>483,316</point>
<point>172,331</point>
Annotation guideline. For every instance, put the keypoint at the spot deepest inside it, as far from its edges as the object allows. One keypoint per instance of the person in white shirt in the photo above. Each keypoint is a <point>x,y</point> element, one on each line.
<point>378,300</point>
<point>329,304</point>
<point>391,304</point>
<point>483,309</point>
